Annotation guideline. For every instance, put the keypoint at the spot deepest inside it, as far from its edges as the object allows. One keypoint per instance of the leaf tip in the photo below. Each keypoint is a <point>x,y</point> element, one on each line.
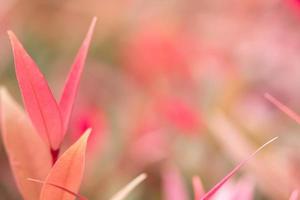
<point>91,29</point>
<point>143,176</point>
<point>272,140</point>
<point>87,133</point>
<point>94,20</point>
<point>4,95</point>
<point>3,90</point>
<point>10,33</point>
<point>12,37</point>
<point>129,187</point>
<point>210,193</point>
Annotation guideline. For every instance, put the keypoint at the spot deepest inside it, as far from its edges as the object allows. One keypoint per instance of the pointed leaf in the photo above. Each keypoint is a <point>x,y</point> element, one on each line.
<point>72,82</point>
<point>283,108</point>
<point>27,153</point>
<point>216,188</point>
<point>37,97</point>
<point>67,172</point>
<point>122,194</point>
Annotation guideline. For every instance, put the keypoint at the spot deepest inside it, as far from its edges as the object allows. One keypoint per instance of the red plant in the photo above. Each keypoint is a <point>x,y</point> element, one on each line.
<point>28,140</point>
<point>49,117</point>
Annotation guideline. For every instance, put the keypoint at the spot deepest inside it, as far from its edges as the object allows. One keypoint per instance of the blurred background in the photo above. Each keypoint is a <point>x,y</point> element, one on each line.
<point>172,88</point>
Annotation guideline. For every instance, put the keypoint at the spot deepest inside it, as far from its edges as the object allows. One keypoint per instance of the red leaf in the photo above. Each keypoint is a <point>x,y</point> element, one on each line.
<point>37,97</point>
<point>28,155</point>
<point>71,85</point>
<point>216,188</point>
<point>67,172</point>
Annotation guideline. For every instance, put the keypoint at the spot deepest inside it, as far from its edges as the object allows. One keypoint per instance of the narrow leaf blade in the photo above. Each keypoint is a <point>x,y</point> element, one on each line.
<point>289,112</point>
<point>216,188</point>
<point>122,194</point>
<point>72,82</point>
<point>37,97</point>
<point>67,172</point>
<point>27,153</point>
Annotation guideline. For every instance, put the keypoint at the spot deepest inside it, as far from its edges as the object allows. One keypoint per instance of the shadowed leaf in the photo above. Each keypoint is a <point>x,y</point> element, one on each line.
<point>27,153</point>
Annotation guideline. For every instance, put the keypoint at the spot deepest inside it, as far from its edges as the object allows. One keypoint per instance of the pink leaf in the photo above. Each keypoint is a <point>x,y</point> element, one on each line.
<point>294,195</point>
<point>28,155</point>
<point>71,85</point>
<point>67,172</point>
<point>283,108</point>
<point>198,188</point>
<point>37,97</point>
<point>216,188</point>
<point>173,185</point>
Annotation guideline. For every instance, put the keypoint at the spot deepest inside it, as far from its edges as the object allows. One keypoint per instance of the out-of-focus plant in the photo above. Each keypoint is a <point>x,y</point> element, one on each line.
<point>176,84</point>
<point>174,188</point>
